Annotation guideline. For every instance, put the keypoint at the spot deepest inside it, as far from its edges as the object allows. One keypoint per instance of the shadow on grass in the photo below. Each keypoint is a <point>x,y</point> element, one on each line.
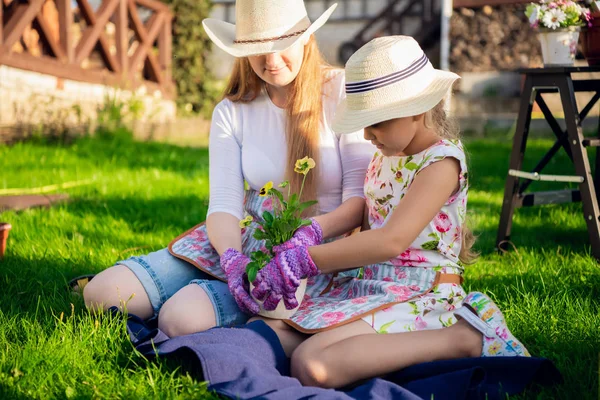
<point>33,287</point>
<point>144,215</point>
<point>137,155</point>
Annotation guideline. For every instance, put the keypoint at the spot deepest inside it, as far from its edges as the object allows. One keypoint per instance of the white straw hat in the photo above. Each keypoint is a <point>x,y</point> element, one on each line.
<point>389,77</point>
<point>263,27</point>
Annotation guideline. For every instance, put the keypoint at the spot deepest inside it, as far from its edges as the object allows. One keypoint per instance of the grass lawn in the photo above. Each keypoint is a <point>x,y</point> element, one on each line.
<point>144,194</point>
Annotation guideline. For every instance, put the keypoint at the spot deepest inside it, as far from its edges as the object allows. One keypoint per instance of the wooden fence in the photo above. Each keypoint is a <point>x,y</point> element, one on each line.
<point>122,43</point>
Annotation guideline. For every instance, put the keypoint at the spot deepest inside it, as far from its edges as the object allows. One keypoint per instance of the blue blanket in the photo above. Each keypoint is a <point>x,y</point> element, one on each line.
<point>249,363</point>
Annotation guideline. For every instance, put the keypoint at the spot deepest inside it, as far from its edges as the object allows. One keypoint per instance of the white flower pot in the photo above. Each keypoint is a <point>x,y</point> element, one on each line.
<point>559,46</point>
<point>281,312</point>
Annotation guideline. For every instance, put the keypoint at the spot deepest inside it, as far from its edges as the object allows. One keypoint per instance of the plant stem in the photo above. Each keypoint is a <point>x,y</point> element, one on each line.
<point>301,188</point>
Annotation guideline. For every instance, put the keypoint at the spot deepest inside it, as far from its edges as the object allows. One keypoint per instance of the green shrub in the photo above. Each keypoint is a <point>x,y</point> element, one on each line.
<point>195,87</point>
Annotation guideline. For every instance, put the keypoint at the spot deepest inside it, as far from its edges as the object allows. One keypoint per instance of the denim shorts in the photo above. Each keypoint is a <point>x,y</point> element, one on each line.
<point>162,275</point>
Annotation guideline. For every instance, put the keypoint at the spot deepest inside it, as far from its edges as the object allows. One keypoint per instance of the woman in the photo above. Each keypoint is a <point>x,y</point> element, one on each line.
<point>278,108</point>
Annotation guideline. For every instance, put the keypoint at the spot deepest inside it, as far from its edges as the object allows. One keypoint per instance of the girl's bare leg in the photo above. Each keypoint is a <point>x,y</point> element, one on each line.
<point>353,352</point>
<point>289,337</point>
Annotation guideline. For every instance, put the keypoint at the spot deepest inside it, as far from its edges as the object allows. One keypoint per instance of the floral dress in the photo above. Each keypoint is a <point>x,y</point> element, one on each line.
<point>402,294</point>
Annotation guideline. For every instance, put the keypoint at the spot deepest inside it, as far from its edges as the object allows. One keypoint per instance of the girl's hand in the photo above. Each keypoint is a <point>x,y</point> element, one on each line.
<point>234,264</point>
<point>307,236</point>
<point>281,277</point>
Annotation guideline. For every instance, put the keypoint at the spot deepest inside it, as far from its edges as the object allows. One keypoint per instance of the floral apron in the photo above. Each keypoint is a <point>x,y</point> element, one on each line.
<point>330,300</point>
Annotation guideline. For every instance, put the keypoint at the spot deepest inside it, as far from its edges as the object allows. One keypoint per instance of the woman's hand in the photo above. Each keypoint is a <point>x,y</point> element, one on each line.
<point>234,264</point>
<point>281,277</point>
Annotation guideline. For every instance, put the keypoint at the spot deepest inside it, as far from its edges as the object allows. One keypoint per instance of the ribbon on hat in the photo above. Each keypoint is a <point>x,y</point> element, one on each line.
<point>372,84</point>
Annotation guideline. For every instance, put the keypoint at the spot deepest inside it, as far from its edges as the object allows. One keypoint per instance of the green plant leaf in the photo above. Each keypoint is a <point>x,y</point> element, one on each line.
<point>268,217</point>
<point>293,201</point>
<point>259,235</point>
<point>252,274</point>
<point>306,222</point>
<point>306,204</point>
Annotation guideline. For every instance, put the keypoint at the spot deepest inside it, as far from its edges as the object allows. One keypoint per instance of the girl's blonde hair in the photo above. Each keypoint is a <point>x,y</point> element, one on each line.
<point>447,128</point>
<point>303,110</point>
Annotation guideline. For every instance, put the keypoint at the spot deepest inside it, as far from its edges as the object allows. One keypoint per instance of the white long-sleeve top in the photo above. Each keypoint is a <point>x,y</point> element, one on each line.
<point>248,142</point>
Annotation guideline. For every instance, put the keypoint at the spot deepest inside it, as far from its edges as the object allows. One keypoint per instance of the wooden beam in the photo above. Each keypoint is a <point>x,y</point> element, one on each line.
<point>65,21</point>
<point>140,31</point>
<point>482,3</point>
<point>50,66</point>
<point>153,5</point>
<point>90,18</point>
<point>46,36</point>
<point>138,26</point>
<point>95,33</point>
<point>153,68</point>
<point>165,49</point>
<point>23,16</point>
<point>1,23</point>
<point>146,42</point>
<point>121,39</point>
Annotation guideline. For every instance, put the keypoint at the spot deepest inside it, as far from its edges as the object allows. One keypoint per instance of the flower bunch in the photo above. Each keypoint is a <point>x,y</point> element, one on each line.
<point>279,226</point>
<point>558,14</point>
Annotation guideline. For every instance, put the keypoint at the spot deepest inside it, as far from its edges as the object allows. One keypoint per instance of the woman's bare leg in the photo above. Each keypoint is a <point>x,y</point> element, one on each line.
<point>190,310</point>
<point>118,286</point>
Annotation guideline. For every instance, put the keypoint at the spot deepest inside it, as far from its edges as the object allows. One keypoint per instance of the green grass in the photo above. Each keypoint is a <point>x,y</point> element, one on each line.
<point>144,194</point>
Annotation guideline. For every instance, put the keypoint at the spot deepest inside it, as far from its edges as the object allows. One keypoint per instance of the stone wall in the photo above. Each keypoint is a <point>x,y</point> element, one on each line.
<point>29,99</point>
<point>492,39</point>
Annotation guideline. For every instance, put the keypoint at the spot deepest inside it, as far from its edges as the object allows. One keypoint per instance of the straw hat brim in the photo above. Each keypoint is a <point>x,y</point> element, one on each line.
<point>223,35</point>
<point>349,121</point>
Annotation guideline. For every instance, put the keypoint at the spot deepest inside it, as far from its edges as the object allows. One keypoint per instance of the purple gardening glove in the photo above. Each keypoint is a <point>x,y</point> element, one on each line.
<point>234,264</point>
<point>281,277</point>
<point>307,236</point>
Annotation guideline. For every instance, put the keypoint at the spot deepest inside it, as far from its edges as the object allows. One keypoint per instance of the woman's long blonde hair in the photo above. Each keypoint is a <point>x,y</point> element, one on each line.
<point>447,128</point>
<point>303,110</point>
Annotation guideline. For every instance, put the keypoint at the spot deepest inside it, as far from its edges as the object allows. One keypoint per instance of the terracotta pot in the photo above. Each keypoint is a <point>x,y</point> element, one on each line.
<point>4,230</point>
<point>590,41</point>
<point>281,312</point>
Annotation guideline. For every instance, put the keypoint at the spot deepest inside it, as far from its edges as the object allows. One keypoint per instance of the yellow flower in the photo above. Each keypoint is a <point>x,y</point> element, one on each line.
<point>246,221</point>
<point>304,165</point>
<point>265,189</point>
<point>494,348</point>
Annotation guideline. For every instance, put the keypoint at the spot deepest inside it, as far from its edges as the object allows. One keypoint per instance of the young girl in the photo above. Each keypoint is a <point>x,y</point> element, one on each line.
<point>414,253</point>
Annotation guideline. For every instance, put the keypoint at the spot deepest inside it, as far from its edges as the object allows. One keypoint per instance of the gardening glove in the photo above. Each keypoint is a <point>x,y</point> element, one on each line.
<point>311,235</point>
<point>234,265</point>
<point>281,277</point>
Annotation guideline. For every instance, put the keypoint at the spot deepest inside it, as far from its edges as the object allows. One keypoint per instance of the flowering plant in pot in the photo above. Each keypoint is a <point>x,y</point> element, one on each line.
<point>559,23</point>
<point>5,228</point>
<point>278,227</point>
<point>590,36</point>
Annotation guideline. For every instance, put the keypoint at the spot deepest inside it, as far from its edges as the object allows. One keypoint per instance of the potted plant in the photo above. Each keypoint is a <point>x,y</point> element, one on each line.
<point>590,36</point>
<point>276,228</point>
<point>558,23</point>
<point>4,230</point>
